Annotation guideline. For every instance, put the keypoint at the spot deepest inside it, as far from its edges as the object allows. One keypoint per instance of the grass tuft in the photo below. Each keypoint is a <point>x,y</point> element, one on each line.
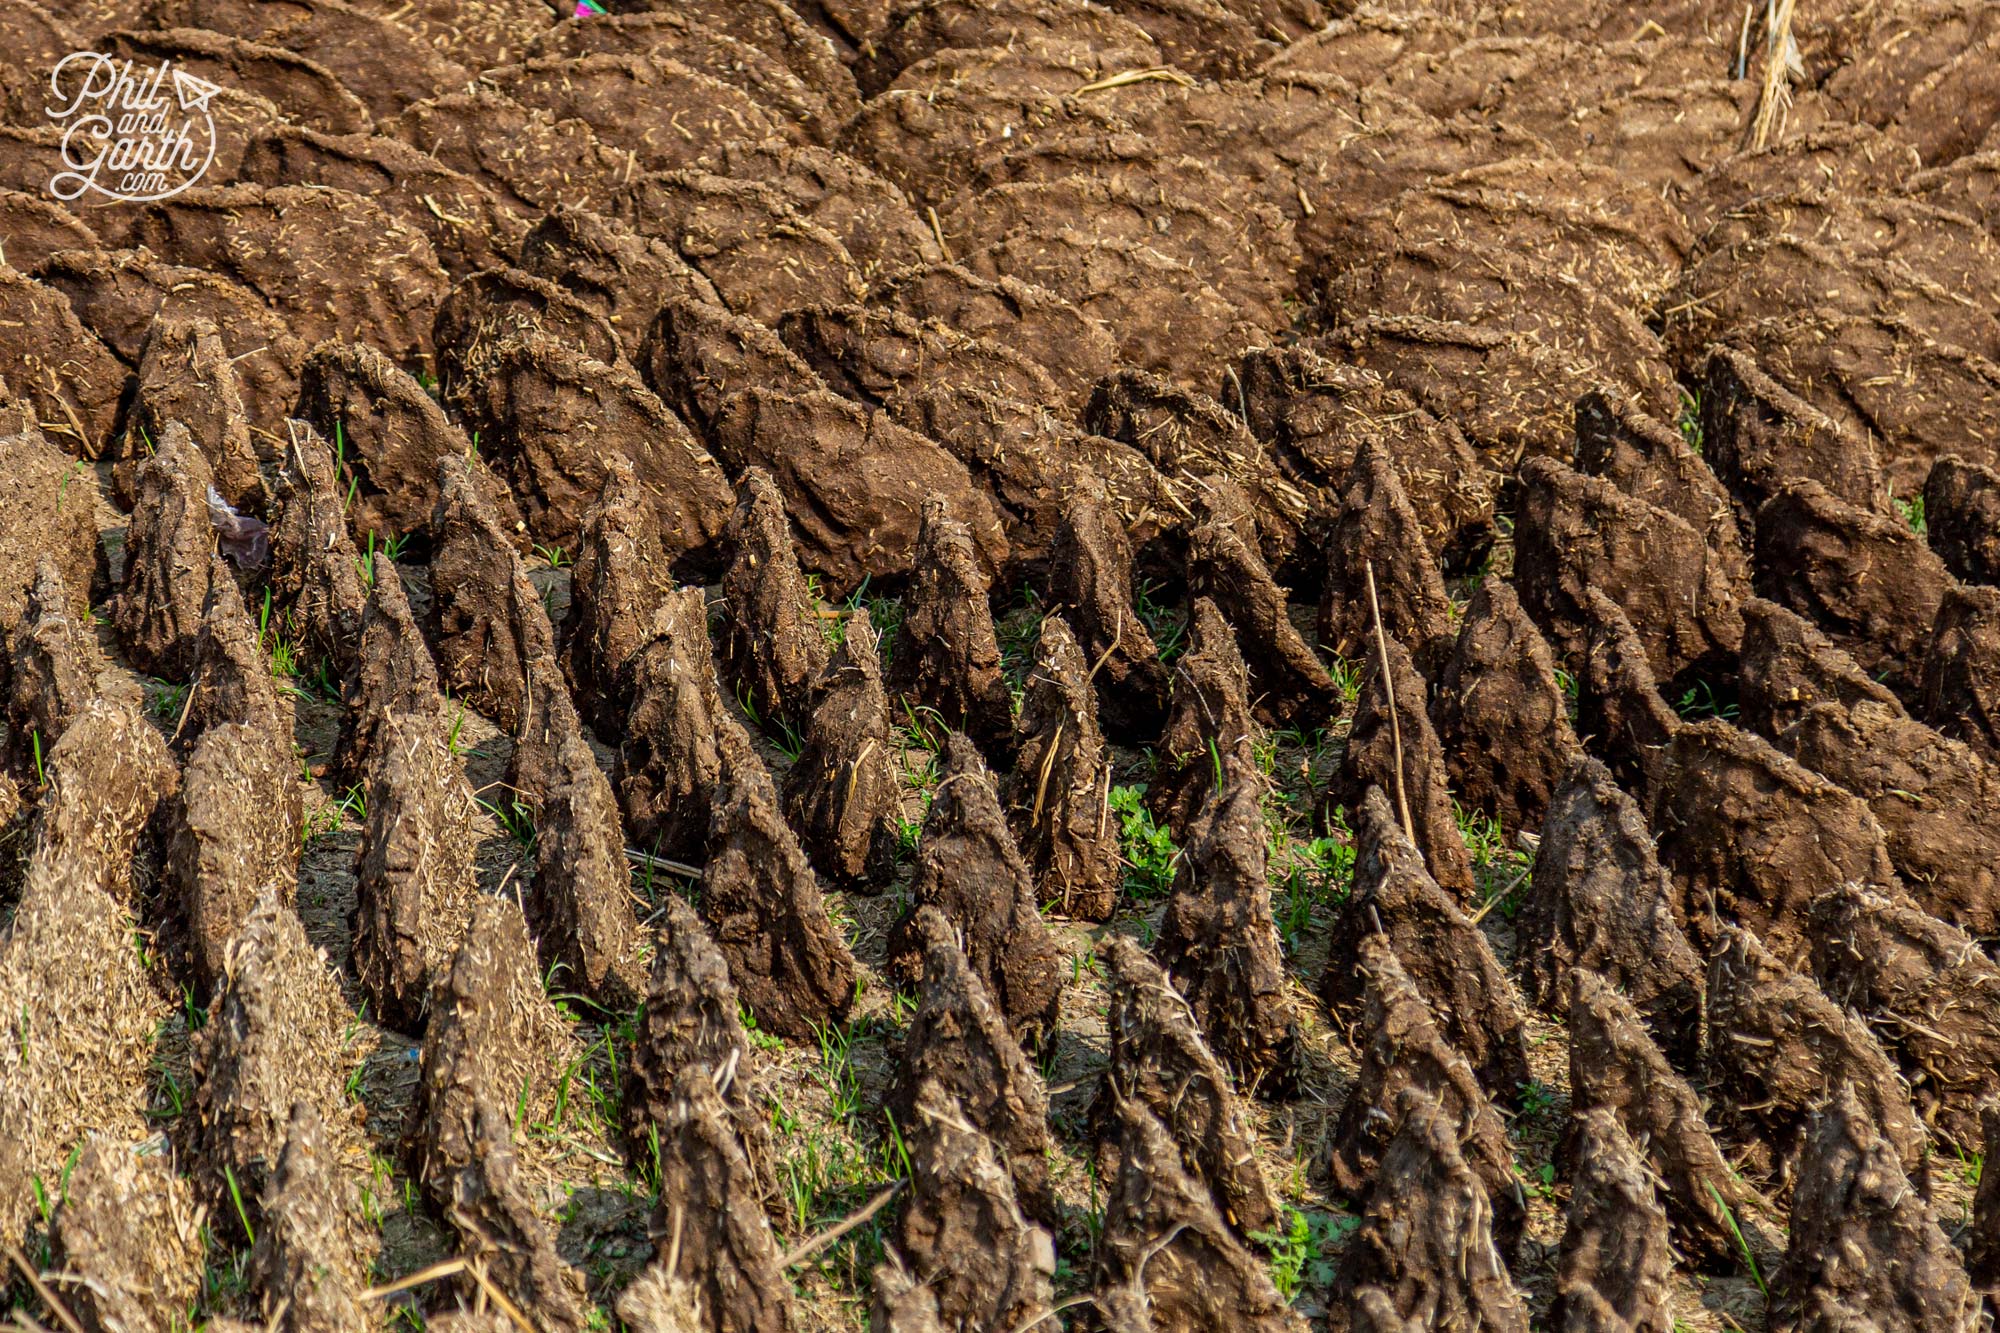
<point>1742,1245</point>
<point>1149,851</point>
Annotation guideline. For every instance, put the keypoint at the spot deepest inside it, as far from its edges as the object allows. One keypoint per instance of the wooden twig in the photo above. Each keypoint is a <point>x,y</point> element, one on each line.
<point>1086,1298</point>
<point>500,1298</point>
<point>674,1245</point>
<point>1494,901</point>
<point>278,1314</point>
<point>1117,633</point>
<point>187,703</point>
<point>1126,78</point>
<point>500,889</point>
<point>1774,99</point>
<point>56,1307</point>
<point>449,1268</point>
<point>806,1249</point>
<point>1042,783</point>
<point>678,868</point>
<point>1389,694</point>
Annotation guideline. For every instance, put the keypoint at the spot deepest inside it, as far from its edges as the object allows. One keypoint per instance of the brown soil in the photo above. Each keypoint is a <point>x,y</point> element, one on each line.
<point>1220,945</point>
<point>1452,964</point>
<point>315,570</point>
<point>1868,580</point>
<point>1501,715</point>
<point>1057,797</point>
<point>1615,1252</point>
<point>1380,567</point>
<point>1962,518</point>
<point>1160,1062</point>
<point>69,378</point>
<point>1317,414</point>
<point>1392,748</point>
<point>1961,685</point>
<point>1600,900</point>
<point>841,794</point>
<point>970,870</point>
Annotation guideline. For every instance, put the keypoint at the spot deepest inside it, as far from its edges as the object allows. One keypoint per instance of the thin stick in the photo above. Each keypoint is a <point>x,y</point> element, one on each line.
<point>500,1298</point>
<point>60,1311</point>
<point>1494,901</point>
<point>808,1248</point>
<point>1086,1299</point>
<point>674,1245</point>
<point>1117,633</point>
<point>679,868</point>
<point>722,1082</point>
<point>1125,78</point>
<point>854,772</point>
<point>500,889</point>
<point>1389,692</point>
<point>1774,99</point>
<point>186,704</point>
<point>448,1268</point>
<point>1042,784</point>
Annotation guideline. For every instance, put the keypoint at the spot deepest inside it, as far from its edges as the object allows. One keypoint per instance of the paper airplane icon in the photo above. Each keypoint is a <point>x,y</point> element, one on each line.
<point>192,92</point>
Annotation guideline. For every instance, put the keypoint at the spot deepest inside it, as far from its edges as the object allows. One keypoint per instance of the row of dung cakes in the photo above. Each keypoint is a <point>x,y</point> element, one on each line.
<point>963,298</point>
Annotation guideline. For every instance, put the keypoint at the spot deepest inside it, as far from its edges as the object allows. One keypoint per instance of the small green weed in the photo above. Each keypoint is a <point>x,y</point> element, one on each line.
<point>1150,854</point>
<point>226,1279</point>
<point>1167,624</point>
<point>286,654</point>
<point>1742,1245</point>
<point>1572,693</point>
<point>325,818</point>
<point>923,728</point>
<point>1500,868</point>
<point>832,625</point>
<point>1912,511</point>
<point>236,1197</point>
<point>909,832</point>
<point>62,487</point>
<point>884,613</point>
<point>1689,420</point>
<point>762,1040</point>
<point>1700,700</point>
<point>1536,1098</point>
<point>515,818</point>
<point>165,700</point>
<point>1346,678</point>
<point>836,1073</point>
<point>1302,1254</point>
<point>1320,876</point>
